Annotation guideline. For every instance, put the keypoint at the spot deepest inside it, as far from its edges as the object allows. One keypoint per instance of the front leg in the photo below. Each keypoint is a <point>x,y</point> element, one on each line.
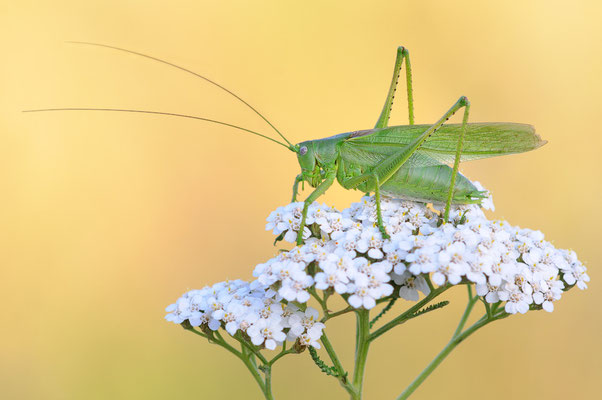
<point>319,191</point>
<point>298,179</point>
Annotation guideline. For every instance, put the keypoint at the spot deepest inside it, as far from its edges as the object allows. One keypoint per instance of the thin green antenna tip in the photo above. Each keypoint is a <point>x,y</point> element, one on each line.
<point>187,71</point>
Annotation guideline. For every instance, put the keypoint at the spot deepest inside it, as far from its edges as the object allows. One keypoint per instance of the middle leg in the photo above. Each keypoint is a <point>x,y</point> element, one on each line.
<point>370,179</point>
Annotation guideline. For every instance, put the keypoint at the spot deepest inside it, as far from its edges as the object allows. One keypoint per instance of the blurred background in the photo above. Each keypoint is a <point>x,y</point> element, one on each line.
<point>107,218</point>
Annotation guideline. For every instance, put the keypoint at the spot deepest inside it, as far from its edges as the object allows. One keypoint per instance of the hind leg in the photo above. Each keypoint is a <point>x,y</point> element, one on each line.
<point>383,119</point>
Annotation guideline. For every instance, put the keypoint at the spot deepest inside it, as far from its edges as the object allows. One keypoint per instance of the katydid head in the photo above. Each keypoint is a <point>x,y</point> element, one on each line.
<point>310,168</point>
<point>306,156</point>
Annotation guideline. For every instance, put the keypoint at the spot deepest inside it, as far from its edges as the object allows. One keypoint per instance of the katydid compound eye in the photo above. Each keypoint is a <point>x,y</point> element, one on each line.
<point>303,150</point>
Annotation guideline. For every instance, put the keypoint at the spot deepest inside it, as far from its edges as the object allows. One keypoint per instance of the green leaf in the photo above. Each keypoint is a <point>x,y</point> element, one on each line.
<point>332,371</point>
<point>430,308</point>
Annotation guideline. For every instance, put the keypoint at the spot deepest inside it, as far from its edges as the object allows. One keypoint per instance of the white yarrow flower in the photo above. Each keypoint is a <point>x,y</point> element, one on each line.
<point>515,268</point>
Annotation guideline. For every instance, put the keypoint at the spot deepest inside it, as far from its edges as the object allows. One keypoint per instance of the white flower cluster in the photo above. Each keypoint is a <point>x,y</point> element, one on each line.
<point>345,252</point>
<point>254,310</point>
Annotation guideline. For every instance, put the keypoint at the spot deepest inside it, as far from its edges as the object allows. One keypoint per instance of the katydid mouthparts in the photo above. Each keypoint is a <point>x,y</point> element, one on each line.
<point>403,161</point>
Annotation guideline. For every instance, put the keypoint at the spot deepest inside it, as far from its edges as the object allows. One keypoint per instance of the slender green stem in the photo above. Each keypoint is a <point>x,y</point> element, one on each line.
<point>469,305</point>
<point>336,314</point>
<point>213,340</point>
<point>315,295</point>
<point>456,340</point>
<point>280,355</point>
<point>429,283</point>
<point>342,374</point>
<point>248,363</point>
<point>201,334</point>
<point>361,352</point>
<point>458,336</point>
<point>487,307</point>
<point>332,354</point>
<point>250,347</point>
<point>249,354</point>
<point>218,339</point>
<point>268,383</point>
<point>246,357</point>
<point>267,391</point>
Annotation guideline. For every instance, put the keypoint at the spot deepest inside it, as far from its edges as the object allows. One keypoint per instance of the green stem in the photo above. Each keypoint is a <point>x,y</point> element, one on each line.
<point>217,338</point>
<point>222,342</point>
<point>263,385</point>
<point>456,339</point>
<point>427,278</point>
<point>265,388</point>
<point>250,347</point>
<point>487,307</point>
<point>332,354</point>
<point>342,374</point>
<point>280,355</point>
<point>249,355</point>
<point>268,383</point>
<point>336,314</point>
<point>361,352</point>
<point>467,311</point>
<point>314,294</point>
<point>201,334</point>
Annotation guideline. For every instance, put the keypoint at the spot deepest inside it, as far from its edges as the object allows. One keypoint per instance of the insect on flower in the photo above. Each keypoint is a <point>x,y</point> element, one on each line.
<point>403,161</point>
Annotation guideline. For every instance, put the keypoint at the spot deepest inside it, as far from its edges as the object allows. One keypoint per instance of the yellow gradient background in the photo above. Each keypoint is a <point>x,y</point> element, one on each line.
<point>108,218</point>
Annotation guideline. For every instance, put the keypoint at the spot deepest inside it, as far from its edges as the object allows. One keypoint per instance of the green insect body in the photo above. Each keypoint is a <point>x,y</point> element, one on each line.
<point>406,161</point>
<point>409,161</point>
<point>425,177</point>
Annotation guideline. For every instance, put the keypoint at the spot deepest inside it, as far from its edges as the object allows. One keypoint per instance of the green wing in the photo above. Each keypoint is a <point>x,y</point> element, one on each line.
<point>482,140</point>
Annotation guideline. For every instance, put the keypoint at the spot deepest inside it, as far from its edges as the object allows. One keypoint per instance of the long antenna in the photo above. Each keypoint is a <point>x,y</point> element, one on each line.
<point>190,72</point>
<point>161,113</point>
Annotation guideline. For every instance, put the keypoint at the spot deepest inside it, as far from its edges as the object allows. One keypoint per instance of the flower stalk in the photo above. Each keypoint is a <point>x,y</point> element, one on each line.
<point>361,352</point>
<point>458,336</point>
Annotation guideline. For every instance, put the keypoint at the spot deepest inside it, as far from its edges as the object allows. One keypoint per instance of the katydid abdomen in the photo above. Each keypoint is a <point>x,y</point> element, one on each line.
<point>430,185</point>
<point>425,176</point>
